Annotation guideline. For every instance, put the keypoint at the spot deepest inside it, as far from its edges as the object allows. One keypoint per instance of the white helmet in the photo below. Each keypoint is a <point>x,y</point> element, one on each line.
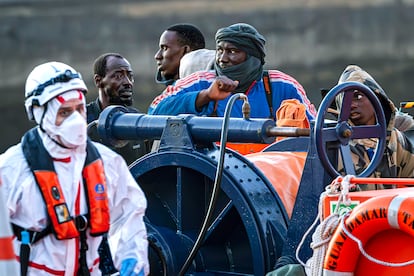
<point>49,80</point>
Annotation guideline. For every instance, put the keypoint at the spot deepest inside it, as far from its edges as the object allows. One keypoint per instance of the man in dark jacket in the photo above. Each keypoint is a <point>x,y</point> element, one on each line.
<point>114,79</point>
<point>398,160</point>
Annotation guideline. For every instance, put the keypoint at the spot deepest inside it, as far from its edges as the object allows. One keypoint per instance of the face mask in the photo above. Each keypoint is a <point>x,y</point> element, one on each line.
<point>73,131</point>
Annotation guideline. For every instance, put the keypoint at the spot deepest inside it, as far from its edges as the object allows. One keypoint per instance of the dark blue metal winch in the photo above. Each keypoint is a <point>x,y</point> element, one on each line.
<point>250,222</point>
<point>250,231</point>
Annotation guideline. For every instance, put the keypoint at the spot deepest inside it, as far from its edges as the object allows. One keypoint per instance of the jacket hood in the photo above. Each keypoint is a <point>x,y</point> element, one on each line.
<point>357,74</point>
<point>159,78</point>
<point>197,60</point>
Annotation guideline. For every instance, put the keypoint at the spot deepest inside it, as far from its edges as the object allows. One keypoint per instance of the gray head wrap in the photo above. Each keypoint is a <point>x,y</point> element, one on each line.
<point>245,37</point>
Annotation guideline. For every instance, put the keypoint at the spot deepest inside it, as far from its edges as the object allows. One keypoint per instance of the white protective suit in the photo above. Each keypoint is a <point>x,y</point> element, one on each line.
<point>127,205</point>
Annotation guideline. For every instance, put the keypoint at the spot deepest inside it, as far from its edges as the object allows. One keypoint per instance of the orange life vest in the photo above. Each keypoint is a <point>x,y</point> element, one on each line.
<point>64,225</point>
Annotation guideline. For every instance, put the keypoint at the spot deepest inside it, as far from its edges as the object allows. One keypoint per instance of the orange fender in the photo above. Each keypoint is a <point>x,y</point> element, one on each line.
<point>246,148</point>
<point>284,171</point>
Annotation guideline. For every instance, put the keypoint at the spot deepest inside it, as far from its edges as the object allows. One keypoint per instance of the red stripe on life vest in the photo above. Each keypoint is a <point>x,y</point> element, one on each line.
<point>64,160</point>
<point>47,269</point>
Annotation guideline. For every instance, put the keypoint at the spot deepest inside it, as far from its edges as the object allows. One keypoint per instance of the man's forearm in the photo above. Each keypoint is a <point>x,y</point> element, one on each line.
<point>202,99</point>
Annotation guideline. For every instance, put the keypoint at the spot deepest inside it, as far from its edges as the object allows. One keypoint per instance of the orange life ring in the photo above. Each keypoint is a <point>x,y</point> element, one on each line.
<point>385,227</point>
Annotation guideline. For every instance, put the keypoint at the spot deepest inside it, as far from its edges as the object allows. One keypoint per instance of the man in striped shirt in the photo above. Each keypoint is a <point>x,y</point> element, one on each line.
<point>238,68</point>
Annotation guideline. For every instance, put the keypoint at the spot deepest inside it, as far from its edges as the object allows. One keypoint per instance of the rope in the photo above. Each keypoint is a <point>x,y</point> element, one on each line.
<point>320,242</point>
<point>326,228</point>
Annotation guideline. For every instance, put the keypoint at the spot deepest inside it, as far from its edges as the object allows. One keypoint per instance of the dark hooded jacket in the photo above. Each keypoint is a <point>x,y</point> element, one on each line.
<point>159,78</point>
<point>129,150</point>
<point>398,160</point>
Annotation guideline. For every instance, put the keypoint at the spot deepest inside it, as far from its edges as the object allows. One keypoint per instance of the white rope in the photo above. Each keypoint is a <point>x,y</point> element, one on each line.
<point>326,228</point>
<point>320,242</point>
<point>302,241</point>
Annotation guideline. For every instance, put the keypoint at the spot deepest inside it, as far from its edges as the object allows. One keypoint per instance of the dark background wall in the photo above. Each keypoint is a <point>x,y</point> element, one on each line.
<point>312,40</point>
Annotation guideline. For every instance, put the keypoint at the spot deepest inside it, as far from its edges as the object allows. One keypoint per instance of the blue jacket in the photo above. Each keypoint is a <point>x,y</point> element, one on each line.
<point>180,98</point>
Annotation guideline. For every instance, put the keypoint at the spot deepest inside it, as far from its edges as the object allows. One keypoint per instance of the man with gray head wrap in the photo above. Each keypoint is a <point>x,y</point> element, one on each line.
<point>238,68</point>
<point>246,37</point>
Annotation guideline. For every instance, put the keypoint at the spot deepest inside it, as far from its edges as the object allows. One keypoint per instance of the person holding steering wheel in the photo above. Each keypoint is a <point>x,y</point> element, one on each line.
<point>398,159</point>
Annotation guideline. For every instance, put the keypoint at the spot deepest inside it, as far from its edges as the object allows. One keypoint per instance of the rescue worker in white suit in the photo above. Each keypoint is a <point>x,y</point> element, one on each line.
<point>64,191</point>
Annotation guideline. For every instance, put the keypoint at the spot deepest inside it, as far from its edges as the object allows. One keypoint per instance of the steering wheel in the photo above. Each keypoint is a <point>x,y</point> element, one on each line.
<point>343,132</point>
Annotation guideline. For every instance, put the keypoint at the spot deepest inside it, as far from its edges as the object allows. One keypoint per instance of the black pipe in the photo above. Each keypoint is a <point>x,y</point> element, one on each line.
<point>116,124</point>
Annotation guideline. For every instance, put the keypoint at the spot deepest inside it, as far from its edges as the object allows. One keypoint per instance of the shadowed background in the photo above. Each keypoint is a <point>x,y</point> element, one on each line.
<point>311,40</point>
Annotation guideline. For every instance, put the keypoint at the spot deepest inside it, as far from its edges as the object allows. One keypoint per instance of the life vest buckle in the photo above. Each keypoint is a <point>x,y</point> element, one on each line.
<point>81,223</point>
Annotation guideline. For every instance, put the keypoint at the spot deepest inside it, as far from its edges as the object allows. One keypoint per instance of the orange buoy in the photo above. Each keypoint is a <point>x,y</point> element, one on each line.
<point>384,228</point>
<point>8,262</point>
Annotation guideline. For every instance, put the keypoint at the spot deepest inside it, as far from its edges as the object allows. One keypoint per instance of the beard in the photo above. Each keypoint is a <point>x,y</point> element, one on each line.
<point>123,97</point>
